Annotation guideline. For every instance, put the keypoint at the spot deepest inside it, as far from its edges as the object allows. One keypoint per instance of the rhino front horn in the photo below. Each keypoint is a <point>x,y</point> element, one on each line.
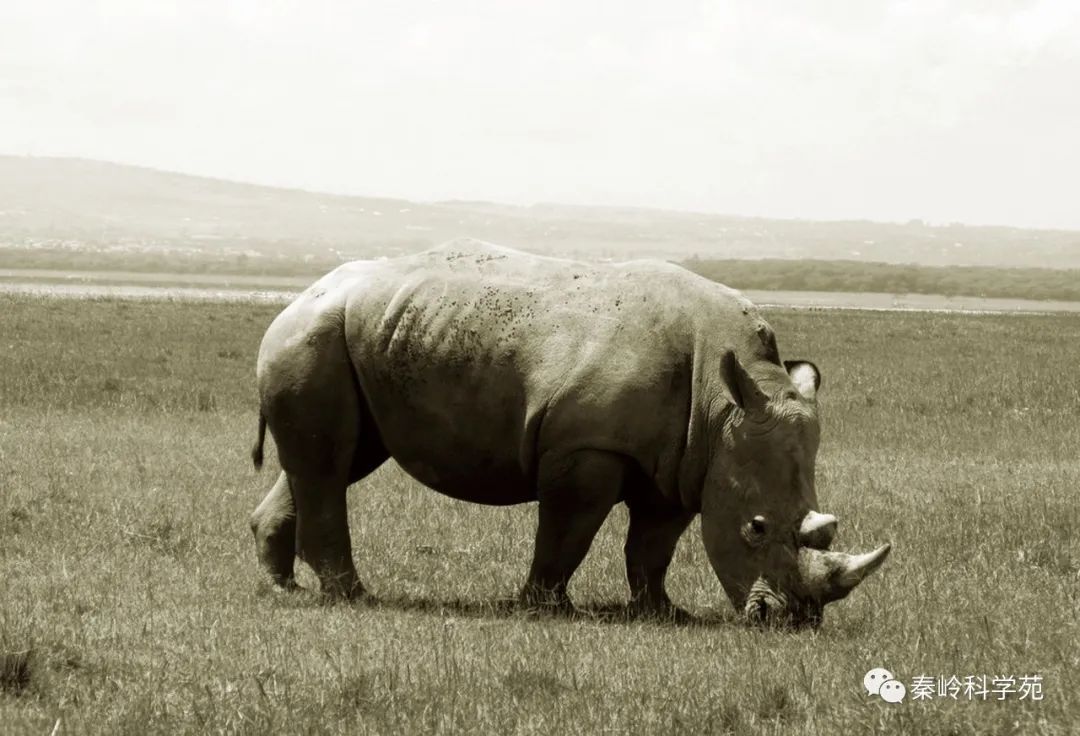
<point>830,576</point>
<point>857,567</point>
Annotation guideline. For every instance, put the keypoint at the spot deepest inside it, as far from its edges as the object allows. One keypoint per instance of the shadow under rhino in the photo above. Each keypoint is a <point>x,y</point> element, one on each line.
<point>611,612</point>
<point>498,377</point>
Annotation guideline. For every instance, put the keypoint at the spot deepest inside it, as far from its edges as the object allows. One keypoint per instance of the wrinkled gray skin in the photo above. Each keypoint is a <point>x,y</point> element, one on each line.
<point>499,377</point>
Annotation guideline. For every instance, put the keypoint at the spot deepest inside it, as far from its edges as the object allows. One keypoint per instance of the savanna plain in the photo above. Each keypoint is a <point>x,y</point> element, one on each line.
<point>130,602</point>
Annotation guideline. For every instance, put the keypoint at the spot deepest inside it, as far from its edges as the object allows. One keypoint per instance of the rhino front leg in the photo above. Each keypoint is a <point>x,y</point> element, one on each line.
<point>576,493</point>
<point>650,545</point>
<point>274,526</point>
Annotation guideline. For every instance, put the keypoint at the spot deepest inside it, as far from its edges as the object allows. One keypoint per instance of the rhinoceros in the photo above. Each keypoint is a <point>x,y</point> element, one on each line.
<point>500,377</point>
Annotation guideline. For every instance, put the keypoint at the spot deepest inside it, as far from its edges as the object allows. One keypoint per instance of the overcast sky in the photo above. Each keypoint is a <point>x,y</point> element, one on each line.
<point>947,111</point>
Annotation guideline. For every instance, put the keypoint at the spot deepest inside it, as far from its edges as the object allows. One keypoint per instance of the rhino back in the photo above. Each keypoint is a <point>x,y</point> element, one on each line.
<point>475,360</point>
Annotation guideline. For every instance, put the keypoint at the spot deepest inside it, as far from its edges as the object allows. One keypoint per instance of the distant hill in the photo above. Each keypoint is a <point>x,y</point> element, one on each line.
<point>76,206</point>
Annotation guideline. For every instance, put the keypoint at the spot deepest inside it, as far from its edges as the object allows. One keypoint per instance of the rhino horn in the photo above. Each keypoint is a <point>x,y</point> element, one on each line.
<point>856,567</point>
<point>817,530</point>
<point>830,576</point>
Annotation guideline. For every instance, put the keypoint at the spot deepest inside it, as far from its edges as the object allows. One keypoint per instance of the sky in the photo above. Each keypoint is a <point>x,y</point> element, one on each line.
<point>946,111</point>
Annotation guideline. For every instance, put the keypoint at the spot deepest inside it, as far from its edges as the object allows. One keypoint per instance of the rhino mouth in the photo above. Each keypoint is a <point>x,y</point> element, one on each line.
<point>764,605</point>
<point>771,608</point>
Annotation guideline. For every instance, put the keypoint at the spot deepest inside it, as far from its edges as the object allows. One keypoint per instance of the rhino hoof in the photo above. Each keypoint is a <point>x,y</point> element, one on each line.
<point>548,610</point>
<point>666,614</point>
<point>357,594</point>
<point>274,586</point>
<point>546,603</point>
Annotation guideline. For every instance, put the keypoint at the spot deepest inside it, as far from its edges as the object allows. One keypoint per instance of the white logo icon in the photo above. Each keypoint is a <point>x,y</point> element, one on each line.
<point>879,681</point>
<point>873,680</point>
<point>892,691</point>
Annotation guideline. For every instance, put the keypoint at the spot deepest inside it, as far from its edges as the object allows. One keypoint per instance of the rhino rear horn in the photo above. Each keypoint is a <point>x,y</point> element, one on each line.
<point>830,576</point>
<point>817,530</point>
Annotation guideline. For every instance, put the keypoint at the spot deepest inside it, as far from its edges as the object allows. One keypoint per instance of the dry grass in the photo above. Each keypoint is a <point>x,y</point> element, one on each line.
<point>129,603</point>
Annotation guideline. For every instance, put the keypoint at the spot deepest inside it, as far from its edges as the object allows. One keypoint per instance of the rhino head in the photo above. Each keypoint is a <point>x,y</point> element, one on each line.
<point>764,537</point>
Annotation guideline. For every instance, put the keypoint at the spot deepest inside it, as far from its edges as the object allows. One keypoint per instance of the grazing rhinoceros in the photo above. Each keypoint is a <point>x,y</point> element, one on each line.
<point>498,377</point>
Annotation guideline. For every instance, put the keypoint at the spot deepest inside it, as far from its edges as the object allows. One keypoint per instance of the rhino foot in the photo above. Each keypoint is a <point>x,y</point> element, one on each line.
<point>541,601</point>
<point>664,612</point>
<point>350,592</point>
<point>274,586</point>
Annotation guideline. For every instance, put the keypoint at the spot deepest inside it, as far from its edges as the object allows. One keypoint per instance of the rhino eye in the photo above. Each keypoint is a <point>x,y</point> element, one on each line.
<point>753,531</point>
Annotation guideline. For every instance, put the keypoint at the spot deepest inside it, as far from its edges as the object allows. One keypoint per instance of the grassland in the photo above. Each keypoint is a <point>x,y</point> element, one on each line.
<point>128,601</point>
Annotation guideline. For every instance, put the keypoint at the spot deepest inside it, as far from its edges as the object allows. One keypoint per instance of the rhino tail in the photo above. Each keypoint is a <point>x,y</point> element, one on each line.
<point>257,450</point>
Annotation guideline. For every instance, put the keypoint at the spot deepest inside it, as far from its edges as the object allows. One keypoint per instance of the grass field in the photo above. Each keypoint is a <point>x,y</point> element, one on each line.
<point>128,601</point>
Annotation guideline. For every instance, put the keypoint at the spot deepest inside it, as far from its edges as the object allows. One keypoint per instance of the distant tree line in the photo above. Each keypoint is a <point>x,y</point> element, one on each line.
<point>773,274</point>
<point>889,278</point>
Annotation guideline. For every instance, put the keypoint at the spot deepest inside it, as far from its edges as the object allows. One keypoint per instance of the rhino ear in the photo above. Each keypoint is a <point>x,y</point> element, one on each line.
<point>805,376</point>
<point>743,389</point>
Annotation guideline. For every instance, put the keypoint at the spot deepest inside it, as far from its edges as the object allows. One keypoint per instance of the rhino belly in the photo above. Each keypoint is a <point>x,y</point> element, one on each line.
<point>472,477</point>
<point>460,437</point>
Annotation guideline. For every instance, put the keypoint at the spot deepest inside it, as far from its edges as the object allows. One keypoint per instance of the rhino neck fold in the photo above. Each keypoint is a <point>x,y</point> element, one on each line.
<point>707,415</point>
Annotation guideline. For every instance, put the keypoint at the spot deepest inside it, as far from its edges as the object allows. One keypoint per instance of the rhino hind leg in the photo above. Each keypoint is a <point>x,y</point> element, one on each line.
<point>576,492</point>
<point>650,544</point>
<point>323,540</point>
<point>314,410</point>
